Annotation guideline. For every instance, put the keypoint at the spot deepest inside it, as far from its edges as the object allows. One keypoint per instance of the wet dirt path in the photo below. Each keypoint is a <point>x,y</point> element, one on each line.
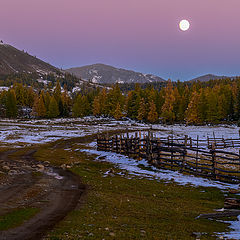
<point>54,191</point>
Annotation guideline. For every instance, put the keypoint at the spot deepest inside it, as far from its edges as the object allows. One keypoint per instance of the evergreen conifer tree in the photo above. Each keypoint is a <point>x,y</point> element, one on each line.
<point>53,108</point>
<point>11,104</point>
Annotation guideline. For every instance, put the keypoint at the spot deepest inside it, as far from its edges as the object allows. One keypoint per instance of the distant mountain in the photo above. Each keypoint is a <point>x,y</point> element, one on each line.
<point>207,77</point>
<point>105,74</point>
<point>13,60</point>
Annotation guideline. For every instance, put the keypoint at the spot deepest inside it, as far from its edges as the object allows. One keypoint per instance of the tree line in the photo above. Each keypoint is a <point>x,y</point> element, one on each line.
<point>192,103</point>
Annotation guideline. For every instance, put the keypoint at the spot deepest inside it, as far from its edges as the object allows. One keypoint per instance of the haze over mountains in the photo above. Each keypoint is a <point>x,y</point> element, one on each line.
<point>13,60</point>
<point>105,74</point>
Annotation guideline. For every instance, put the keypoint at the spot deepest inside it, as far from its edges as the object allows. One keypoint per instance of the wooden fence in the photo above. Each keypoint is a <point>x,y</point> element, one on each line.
<point>186,155</point>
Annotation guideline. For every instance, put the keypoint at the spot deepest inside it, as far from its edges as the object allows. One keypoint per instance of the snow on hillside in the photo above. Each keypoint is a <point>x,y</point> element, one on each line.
<point>4,89</point>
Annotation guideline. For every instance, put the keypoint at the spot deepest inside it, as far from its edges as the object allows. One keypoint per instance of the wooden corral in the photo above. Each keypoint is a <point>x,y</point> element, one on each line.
<point>208,158</point>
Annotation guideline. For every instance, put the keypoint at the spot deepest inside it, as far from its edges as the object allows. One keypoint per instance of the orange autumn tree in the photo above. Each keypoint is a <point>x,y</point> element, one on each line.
<point>192,114</point>
<point>152,115</point>
<point>142,111</point>
<point>96,106</point>
<point>167,108</point>
<point>118,112</point>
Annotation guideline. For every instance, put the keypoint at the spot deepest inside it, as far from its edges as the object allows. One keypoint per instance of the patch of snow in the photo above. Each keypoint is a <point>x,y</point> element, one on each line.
<point>95,79</point>
<point>76,89</point>
<point>134,168</point>
<point>45,82</point>
<point>93,71</point>
<point>4,89</point>
<point>45,130</point>
<point>235,233</point>
<point>120,81</point>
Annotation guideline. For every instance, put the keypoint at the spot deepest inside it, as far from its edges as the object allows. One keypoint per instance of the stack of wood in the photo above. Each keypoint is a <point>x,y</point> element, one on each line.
<point>232,203</point>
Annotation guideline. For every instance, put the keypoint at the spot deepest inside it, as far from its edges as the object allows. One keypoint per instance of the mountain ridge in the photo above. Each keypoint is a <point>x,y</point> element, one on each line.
<point>13,60</point>
<point>207,77</point>
<point>106,74</point>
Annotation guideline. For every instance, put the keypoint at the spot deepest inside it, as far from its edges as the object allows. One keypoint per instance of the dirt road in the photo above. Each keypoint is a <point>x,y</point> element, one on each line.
<point>28,183</point>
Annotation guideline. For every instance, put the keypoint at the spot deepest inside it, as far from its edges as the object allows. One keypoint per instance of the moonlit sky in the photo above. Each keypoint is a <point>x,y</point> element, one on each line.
<point>142,35</point>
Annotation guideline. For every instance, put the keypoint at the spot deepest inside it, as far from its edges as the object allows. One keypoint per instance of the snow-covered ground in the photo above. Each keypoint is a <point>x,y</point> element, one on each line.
<point>18,132</point>
<point>4,89</point>
<point>24,132</point>
<point>137,168</point>
<point>42,131</point>
<point>143,170</point>
<point>234,233</point>
<point>225,131</point>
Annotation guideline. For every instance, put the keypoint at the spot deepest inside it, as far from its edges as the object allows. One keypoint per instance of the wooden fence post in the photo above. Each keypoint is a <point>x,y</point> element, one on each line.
<point>197,154</point>
<point>215,143</point>
<point>120,144</point>
<point>116,142</point>
<point>152,149</point>
<point>213,161</point>
<point>191,142</point>
<point>136,145</point>
<point>224,143</point>
<point>159,152</point>
<point>239,159</point>
<point>185,140</point>
<point>183,161</point>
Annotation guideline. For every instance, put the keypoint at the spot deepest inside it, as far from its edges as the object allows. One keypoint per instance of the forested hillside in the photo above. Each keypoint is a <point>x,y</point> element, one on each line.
<point>194,103</point>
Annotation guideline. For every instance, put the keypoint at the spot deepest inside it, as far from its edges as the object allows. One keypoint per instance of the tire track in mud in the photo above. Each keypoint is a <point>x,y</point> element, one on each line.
<point>62,196</point>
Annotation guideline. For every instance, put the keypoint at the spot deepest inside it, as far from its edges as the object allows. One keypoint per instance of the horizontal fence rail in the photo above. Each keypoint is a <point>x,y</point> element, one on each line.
<point>186,154</point>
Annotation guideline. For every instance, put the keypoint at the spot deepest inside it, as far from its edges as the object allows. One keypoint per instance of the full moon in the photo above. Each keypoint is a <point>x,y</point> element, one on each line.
<point>184,25</point>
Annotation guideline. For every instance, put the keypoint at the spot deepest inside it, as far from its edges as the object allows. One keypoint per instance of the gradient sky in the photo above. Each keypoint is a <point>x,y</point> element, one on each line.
<point>141,35</point>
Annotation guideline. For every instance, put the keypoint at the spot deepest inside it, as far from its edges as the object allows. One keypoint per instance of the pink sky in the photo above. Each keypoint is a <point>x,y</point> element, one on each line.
<point>142,35</point>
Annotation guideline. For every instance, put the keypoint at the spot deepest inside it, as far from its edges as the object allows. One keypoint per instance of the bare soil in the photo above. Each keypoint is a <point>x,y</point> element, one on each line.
<point>28,183</point>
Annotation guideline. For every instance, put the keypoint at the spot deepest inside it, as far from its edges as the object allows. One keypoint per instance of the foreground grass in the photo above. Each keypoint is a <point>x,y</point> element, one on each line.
<point>121,208</point>
<point>16,217</point>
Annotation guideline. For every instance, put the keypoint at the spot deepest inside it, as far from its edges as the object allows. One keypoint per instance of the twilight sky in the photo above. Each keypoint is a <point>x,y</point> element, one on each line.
<point>140,35</point>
